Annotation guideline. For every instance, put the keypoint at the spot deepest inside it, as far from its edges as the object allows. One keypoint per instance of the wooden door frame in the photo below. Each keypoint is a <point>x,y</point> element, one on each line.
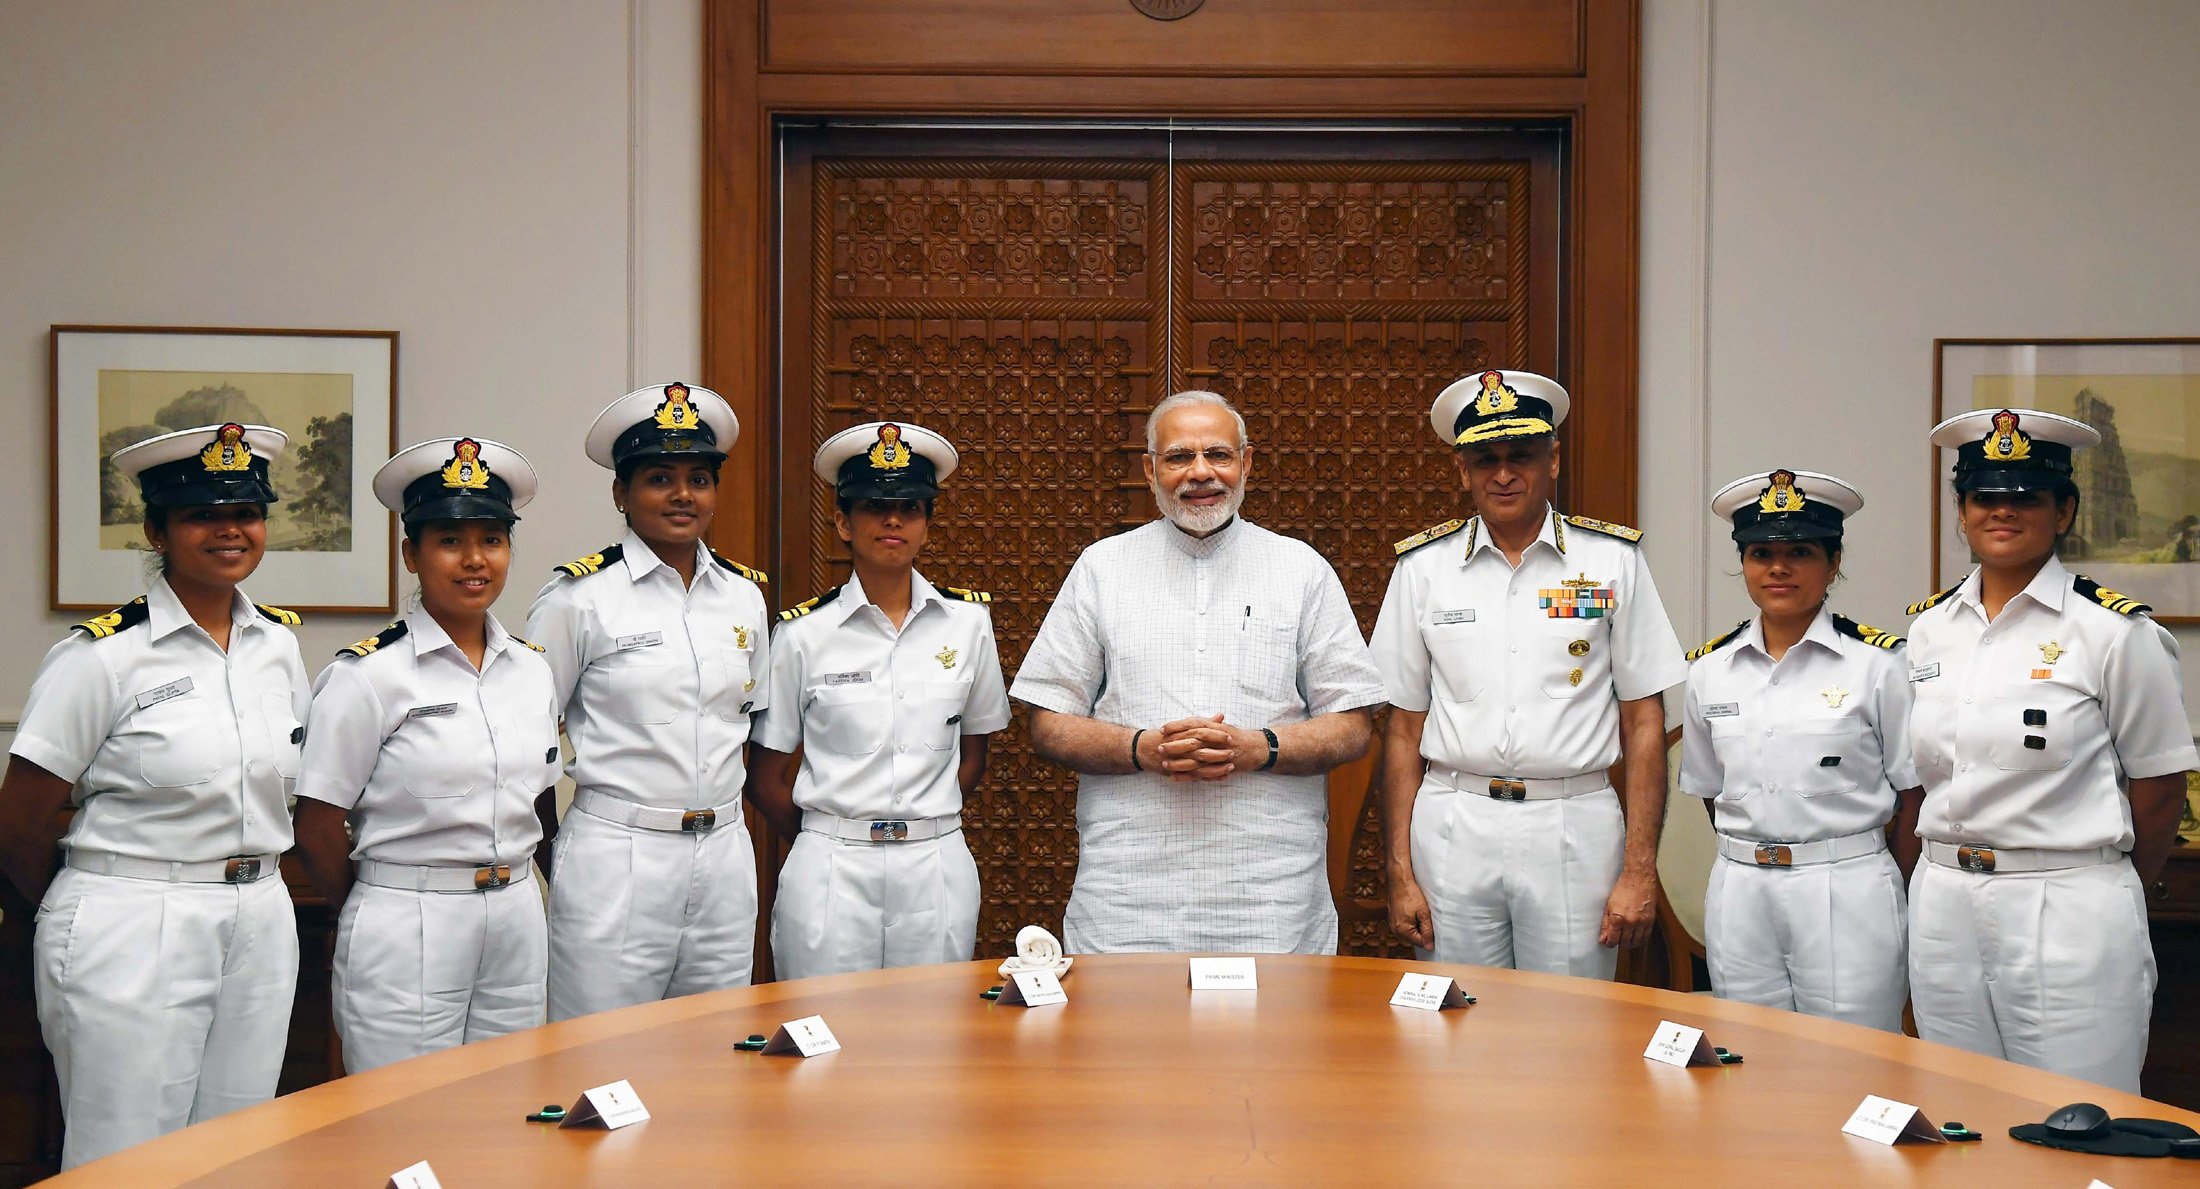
<point>1597,100</point>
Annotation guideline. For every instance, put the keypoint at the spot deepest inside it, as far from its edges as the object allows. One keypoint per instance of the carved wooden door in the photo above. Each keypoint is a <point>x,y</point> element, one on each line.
<point>1032,295</point>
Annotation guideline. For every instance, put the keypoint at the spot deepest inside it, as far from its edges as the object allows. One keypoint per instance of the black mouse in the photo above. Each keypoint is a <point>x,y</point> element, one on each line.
<point>2079,1120</point>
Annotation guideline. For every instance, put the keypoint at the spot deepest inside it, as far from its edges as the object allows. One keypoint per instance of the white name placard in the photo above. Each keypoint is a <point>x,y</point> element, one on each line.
<point>414,1176</point>
<point>1680,1045</point>
<point>1223,974</point>
<point>1883,1121</point>
<point>1033,988</point>
<point>609,1106</point>
<point>1429,992</point>
<point>808,1036</point>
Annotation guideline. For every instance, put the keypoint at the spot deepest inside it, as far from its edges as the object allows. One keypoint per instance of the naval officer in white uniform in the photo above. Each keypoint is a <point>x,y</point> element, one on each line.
<point>658,648</point>
<point>2050,733</point>
<point>1795,732</point>
<point>173,724</point>
<point>889,687</point>
<point>433,738</point>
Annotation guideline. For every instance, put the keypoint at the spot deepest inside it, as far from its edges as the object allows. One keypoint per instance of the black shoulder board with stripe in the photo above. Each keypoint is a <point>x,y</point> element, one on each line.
<point>582,567</point>
<point>1632,536</point>
<point>1927,604</point>
<point>127,616</point>
<point>281,615</point>
<point>1432,533</point>
<point>969,596</point>
<point>759,577</point>
<point>2119,603</point>
<point>389,635</point>
<point>804,608</point>
<point>1865,632</point>
<point>1713,645</point>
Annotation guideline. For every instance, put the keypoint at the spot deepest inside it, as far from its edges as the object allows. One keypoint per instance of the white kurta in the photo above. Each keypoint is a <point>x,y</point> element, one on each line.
<point>1809,748</point>
<point>439,765</point>
<point>1153,626</point>
<point>181,752</point>
<point>656,681</point>
<point>2027,729</point>
<point>880,714</point>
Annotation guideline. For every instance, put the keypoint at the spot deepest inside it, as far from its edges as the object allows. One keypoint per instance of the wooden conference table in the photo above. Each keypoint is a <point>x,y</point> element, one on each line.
<point>1311,1078</point>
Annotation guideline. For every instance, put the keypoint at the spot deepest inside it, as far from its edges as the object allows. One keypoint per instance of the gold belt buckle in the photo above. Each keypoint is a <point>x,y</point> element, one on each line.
<point>488,878</point>
<point>242,870</point>
<point>1975,858</point>
<point>889,831</point>
<point>1774,855</point>
<point>699,821</point>
<point>1509,790</point>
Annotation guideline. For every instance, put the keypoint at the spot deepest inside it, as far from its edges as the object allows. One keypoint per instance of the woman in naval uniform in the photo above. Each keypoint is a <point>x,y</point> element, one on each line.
<point>1796,733</point>
<point>434,738</point>
<point>166,954</point>
<point>658,649</point>
<point>2050,731</point>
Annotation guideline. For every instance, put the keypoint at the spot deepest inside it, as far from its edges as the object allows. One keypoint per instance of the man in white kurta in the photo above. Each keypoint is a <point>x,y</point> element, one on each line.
<point>1159,626</point>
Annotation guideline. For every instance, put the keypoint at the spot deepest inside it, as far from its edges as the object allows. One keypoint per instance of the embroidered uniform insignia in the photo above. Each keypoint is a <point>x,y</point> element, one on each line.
<point>946,658</point>
<point>1781,495</point>
<point>387,636</point>
<point>1834,696</point>
<point>1632,536</point>
<point>889,454</point>
<point>1866,633</point>
<point>1717,642</point>
<point>2005,442</point>
<point>466,471</point>
<point>281,615</point>
<point>229,451</point>
<point>2119,603</point>
<point>676,411</point>
<point>751,573</point>
<point>582,567</point>
<point>1433,533</point>
<point>128,615</point>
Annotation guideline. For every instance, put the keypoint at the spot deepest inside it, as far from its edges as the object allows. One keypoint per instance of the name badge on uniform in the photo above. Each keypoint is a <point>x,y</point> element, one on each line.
<point>437,711</point>
<point>1463,616</point>
<point>161,693</point>
<point>862,677</point>
<point>1723,710</point>
<point>1925,672</point>
<point>640,640</point>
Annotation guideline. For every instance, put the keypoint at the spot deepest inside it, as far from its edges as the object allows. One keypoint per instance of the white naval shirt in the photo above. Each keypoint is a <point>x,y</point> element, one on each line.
<point>1511,688</point>
<point>880,714</point>
<point>2112,701</point>
<point>439,764</point>
<point>1155,625</point>
<point>180,751</point>
<point>656,680</point>
<point>1757,734</point>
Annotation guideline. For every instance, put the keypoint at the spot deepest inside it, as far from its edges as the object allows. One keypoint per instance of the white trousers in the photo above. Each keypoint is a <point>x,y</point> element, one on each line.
<point>417,972</point>
<point>641,915</point>
<point>1827,939</point>
<point>2051,969</point>
<point>164,1004</point>
<point>847,906</point>
<point>1518,883</point>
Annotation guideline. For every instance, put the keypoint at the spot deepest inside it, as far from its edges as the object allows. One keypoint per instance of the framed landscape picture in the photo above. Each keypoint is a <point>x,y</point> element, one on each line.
<point>334,392</point>
<point>2138,525</point>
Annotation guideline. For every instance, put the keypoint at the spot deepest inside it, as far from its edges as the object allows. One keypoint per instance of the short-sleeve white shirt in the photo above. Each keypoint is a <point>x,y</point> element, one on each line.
<point>439,763</point>
<point>1155,625</point>
<point>878,713</point>
<point>1514,686</point>
<point>2108,707</point>
<point>1808,747</point>
<point>656,680</point>
<point>179,751</point>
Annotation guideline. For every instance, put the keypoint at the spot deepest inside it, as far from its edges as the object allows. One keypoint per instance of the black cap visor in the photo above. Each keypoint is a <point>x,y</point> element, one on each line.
<point>1785,528</point>
<point>467,505</point>
<point>2010,479</point>
<point>201,491</point>
<point>646,442</point>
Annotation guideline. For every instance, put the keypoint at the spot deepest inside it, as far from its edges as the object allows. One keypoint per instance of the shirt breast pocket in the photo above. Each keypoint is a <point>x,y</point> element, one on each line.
<point>1828,756</point>
<point>285,734</point>
<point>1268,662</point>
<point>849,720</point>
<point>733,681</point>
<point>1933,729</point>
<point>643,685</point>
<point>2033,724</point>
<point>1457,656</point>
<point>522,742</point>
<point>939,705</point>
<point>1575,655</point>
<point>441,754</point>
<point>177,741</point>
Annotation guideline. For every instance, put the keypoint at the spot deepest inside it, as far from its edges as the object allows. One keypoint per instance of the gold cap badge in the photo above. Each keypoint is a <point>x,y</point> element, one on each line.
<point>2005,442</point>
<point>1781,495</point>
<point>466,471</point>
<point>229,451</point>
<point>1496,396</point>
<point>677,411</point>
<point>889,454</point>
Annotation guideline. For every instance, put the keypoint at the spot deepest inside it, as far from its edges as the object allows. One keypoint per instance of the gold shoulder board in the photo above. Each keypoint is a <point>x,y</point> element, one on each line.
<point>582,567</point>
<point>1928,603</point>
<point>1433,533</point>
<point>1866,632</point>
<point>389,635</point>
<point>1713,645</point>
<point>1632,536</point>
<point>2121,604</point>
<point>969,596</point>
<point>128,615</point>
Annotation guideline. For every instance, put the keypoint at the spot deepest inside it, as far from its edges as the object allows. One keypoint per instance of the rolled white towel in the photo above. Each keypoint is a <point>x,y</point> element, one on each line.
<point>1036,949</point>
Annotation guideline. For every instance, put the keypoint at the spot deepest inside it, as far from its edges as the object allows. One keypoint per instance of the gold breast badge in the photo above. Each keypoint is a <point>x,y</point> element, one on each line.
<point>2051,652</point>
<point>740,636</point>
<point>946,658</point>
<point>1834,696</point>
<point>1578,648</point>
<point>1574,678</point>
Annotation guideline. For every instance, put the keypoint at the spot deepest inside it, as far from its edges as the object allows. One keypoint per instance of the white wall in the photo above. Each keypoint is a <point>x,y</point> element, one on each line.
<point>1831,185</point>
<point>514,187</point>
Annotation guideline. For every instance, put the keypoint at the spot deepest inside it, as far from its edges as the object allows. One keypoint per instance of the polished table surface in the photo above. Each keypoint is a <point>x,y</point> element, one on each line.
<point>1312,1077</point>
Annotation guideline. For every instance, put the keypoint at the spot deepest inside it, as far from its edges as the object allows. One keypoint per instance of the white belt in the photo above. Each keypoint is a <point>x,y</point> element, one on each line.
<point>879,829</point>
<point>1986,859</point>
<point>238,869</point>
<point>649,817</point>
<point>1510,788</point>
<point>1802,854</point>
<point>410,877</point>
